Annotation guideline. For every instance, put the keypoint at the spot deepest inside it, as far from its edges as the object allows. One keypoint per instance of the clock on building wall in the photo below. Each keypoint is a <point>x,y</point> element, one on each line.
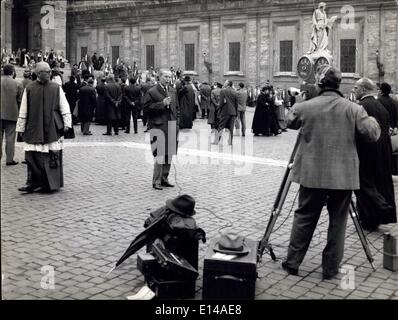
<point>319,62</point>
<point>304,68</point>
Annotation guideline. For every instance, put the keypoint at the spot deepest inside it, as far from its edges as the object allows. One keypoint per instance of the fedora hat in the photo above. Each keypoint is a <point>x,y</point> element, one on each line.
<point>187,78</point>
<point>183,205</point>
<point>231,243</point>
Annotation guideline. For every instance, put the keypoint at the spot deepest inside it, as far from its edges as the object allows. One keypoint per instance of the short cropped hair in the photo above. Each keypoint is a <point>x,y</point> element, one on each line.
<point>8,70</point>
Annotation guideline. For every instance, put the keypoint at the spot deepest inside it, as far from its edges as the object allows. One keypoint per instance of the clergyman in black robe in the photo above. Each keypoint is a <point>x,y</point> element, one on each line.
<point>375,199</point>
<point>264,120</point>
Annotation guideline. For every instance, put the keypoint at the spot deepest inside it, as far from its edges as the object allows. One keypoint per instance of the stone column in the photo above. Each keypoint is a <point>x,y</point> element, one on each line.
<point>373,44</point>
<point>6,24</point>
<point>125,56</point>
<point>60,27</point>
<point>173,46</point>
<point>216,47</point>
<point>204,47</point>
<point>93,44</point>
<point>53,24</point>
<point>390,45</point>
<point>264,52</point>
<point>162,48</point>
<point>136,47</point>
<point>101,42</point>
<point>251,56</point>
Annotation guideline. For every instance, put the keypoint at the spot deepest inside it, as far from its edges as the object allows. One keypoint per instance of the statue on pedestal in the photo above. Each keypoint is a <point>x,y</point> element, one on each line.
<point>321,27</point>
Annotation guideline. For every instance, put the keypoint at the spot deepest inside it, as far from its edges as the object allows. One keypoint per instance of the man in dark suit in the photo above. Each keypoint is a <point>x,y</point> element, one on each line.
<point>161,108</point>
<point>100,62</point>
<point>113,99</point>
<point>87,105</point>
<point>326,166</point>
<point>132,99</point>
<point>149,83</point>
<point>71,89</point>
<point>94,61</point>
<point>205,93</point>
<point>228,110</point>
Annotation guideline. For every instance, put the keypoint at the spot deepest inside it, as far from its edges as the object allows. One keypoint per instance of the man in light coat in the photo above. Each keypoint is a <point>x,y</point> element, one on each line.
<point>11,95</point>
<point>326,166</point>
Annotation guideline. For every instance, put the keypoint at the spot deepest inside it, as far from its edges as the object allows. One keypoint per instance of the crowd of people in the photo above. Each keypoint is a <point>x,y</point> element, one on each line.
<point>27,59</point>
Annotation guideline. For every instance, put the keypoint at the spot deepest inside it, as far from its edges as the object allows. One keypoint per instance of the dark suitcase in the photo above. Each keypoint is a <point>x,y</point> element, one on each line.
<point>146,263</point>
<point>230,279</point>
<point>166,288</point>
<point>166,281</point>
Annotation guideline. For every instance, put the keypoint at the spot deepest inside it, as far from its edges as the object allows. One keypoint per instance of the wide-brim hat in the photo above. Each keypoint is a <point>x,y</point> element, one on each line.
<point>183,205</point>
<point>187,78</point>
<point>231,243</point>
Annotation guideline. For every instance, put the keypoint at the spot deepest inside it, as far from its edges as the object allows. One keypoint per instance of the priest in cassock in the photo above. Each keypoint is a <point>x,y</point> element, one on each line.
<point>44,115</point>
<point>375,199</point>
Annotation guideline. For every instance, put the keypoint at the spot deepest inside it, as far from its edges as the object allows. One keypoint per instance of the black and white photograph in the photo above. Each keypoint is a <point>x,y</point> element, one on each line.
<point>212,152</point>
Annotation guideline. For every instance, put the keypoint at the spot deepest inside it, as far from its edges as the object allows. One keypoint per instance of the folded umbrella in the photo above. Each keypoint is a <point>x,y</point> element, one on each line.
<point>148,235</point>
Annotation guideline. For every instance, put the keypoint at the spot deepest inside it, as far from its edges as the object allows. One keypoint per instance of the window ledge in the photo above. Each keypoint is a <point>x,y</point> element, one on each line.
<point>351,75</point>
<point>285,74</point>
<point>234,73</point>
<point>190,73</point>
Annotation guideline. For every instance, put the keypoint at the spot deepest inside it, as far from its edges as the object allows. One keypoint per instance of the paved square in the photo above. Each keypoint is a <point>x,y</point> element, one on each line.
<point>82,230</point>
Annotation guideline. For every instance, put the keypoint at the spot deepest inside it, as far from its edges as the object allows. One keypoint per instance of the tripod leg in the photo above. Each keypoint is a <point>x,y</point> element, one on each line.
<point>361,234</point>
<point>278,204</point>
<point>276,211</point>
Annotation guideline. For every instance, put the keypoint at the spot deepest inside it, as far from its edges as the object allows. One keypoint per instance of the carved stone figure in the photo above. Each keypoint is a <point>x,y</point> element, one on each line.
<point>321,26</point>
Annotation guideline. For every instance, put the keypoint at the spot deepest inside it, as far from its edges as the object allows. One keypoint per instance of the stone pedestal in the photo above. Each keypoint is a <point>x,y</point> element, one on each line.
<point>309,63</point>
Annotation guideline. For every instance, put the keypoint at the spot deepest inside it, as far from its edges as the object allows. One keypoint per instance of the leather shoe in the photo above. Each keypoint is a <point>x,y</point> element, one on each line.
<point>44,190</point>
<point>12,163</point>
<point>27,188</point>
<point>107,134</point>
<point>329,275</point>
<point>157,186</point>
<point>87,134</point>
<point>289,270</point>
<point>167,184</point>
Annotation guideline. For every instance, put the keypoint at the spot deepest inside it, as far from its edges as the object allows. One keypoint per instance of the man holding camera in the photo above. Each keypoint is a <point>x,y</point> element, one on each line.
<point>160,105</point>
<point>326,166</point>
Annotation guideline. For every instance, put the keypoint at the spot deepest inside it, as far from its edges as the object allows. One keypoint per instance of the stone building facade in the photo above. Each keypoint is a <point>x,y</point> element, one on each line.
<point>250,41</point>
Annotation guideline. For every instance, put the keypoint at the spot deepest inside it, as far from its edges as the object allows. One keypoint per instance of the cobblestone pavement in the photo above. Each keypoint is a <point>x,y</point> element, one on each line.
<point>82,230</point>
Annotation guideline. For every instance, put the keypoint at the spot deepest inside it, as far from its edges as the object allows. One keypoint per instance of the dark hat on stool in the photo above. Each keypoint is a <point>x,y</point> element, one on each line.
<point>231,243</point>
<point>385,88</point>
<point>183,205</point>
